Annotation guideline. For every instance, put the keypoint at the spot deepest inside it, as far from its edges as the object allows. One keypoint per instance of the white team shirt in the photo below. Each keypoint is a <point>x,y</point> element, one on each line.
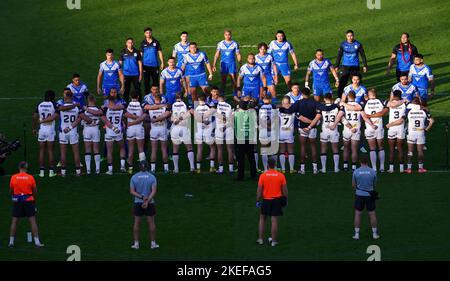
<point>154,113</point>
<point>46,109</point>
<point>353,116</point>
<point>95,118</point>
<point>396,113</point>
<point>417,119</point>
<point>328,118</point>
<point>373,106</point>
<point>135,108</point>
<point>224,114</point>
<point>179,109</point>
<point>67,117</point>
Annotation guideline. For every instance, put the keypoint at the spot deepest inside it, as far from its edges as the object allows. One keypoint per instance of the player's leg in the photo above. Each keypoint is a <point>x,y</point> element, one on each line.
<point>137,88</point>
<point>199,156</point>
<point>355,149</point>
<point>391,144</point>
<point>123,155</point>
<point>175,157</point>
<point>381,153</point>
<point>302,153</point>
<point>291,156</point>
<point>51,158</point>
<point>165,155</point>
<point>287,79</point>
<point>63,157</point>
<point>400,154</point>
<point>335,150</point>
<point>313,147</point>
<point>282,147</point>
<point>410,157</point>
<point>76,158</point>
<point>42,158</point>
<point>152,230</point>
<point>223,81</point>
<point>13,230</point>
<point>420,157</point>
<point>343,79</point>
<point>154,155</point>
<point>190,155</point>
<point>212,156</point>
<point>128,80</point>
<point>140,146</point>
<point>96,149</point>
<point>220,156</point>
<point>346,154</point>
<point>233,82</point>
<point>88,155</point>
<point>109,155</point>
<point>35,230</point>
<point>131,142</point>
<point>323,155</point>
<point>373,152</point>
<point>146,73</point>
<point>231,157</point>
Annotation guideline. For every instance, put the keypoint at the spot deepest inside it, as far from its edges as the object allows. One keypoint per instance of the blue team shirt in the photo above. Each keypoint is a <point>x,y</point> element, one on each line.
<point>150,100</point>
<point>251,75</point>
<point>350,56</point>
<point>408,92</point>
<point>110,73</point>
<point>130,62</point>
<point>320,71</point>
<point>172,79</point>
<point>78,93</point>
<point>180,50</point>
<point>228,51</point>
<point>280,51</point>
<point>361,92</point>
<point>150,52</point>
<point>365,179</point>
<point>195,63</point>
<point>420,76</point>
<point>265,62</point>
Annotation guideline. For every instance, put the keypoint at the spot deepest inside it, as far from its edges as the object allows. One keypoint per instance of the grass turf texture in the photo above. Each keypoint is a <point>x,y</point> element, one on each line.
<point>44,43</point>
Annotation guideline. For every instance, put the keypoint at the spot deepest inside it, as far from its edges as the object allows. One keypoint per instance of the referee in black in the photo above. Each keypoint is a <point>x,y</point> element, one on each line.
<point>348,60</point>
<point>245,136</point>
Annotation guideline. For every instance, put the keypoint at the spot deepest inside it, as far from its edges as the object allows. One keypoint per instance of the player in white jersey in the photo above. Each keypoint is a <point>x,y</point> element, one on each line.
<point>329,134</point>
<point>295,94</point>
<point>419,122</point>
<point>268,129</point>
<point>180,132</point>
<point>224,132</point>
<point>159,133</point>
<point>91,135</point>
<point>113,113</point>
<point>351,135</point>
<point>396,129</point>
<point>45,132</point>
<point>375,109</point>
<point>286,137</point>
<point>204,132</point>
<point>135,130</point>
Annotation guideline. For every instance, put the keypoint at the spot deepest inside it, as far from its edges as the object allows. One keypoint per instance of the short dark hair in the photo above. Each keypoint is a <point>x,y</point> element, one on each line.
<point>271,162</point>
<point>406,33</point>
<point>67,89</point>
<point>134,95</point>
<point>179,95</point>
<point>171,58</point>
<point>305,91</point>
<point>351,95</point>
<point>281,32</point>
<point>23,165</point>
<point>143,165</point>
<point>213,87</point>
<point>75,75</point>
<point>201,96</point>
<point>91,97</point>
<point>295,84</point>
<point>349,31</point>
<point>192,43</point>
<point>319,50</point>
<point>420,56</point>
<point>397,94</point>
<point>357,75</point>
<point>262,44</point>
<point>158,96</point>
<point>148,29</point>
<point>184,32</point>
<point>129,38</point>
<point>363,159</point>
<point>49,95</point>
<point>109,51</point>
<point>328,96</point>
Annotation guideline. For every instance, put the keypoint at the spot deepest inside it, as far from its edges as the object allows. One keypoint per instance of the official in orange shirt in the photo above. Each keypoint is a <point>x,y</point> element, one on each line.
<point>272,189</point>
<point>23,191</point>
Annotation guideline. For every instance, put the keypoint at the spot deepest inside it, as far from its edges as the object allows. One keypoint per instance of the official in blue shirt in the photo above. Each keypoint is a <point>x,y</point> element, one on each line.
<point>143,188</point>
<point>348,60</point>
<point>131,63</point>
<point>151,51</point>
<point>404,54</point>
<point>364,181</point>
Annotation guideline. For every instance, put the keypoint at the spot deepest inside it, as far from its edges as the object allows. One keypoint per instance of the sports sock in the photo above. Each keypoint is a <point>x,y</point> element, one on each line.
<point>282,162</point>
<point>323,161</point>
<point>336,161</point>
<point>97,161</point>
<point>87,160</point>
<point>190,155</point>
<point>373,159</point>
<point>291,158</point>
<point>381,156</point>
<point>175,158</point>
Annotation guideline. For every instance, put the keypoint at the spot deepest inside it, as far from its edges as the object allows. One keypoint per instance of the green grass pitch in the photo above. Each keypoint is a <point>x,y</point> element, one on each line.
<point>43,43</point>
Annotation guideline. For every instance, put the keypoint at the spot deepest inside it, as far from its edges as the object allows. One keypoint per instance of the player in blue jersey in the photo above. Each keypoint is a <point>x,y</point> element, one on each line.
<point>280,49</point>
<point>266,62</point>
<point>348,60</point>
<point>131,64</point>
<point>408,90</point>
<point>253,78</point>
<point>404,54</point>
<point>181,48</point>
<point>193,67</point>
<point>78,89</point>
<point>173,78</point>
<point>420,75</point>
<point>320,68</point>
<point>355,86</point>
<point>109,75</point>
<point>151,51</point>
<point>228,51</point>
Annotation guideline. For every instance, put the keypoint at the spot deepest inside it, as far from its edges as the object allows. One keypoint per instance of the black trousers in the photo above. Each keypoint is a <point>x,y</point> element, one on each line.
<point>150,72</point>
<point>128,81</point>
<point>243,150</point>
<point>346,73</point>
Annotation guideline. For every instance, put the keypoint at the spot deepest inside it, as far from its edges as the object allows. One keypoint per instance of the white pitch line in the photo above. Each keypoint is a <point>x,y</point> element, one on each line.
<point>21,98</point>
<point>240,46</point>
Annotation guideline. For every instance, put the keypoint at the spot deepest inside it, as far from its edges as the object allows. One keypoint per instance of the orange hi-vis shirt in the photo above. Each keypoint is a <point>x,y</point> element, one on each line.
<point>23,184</point>
<point>272,182</point>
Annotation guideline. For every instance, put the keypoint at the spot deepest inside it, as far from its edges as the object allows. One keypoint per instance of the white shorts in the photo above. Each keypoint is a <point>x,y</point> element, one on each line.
<point>46,133</point>
<point>180,134</point>
<point>91,133</point>
<point>312,134</point>
<point>286,136</point>
<point>396,133</point>
<point>416,137</point>
<point>374,134</point>
<point>69,138</point>
<point>266,137</point>
<point>226,136</point>
<point>111,136</point>
<point>204,135</point>
<point>328,135</point>
<point>136,132</point>
<point>158,133</point>
<point>347,135</point>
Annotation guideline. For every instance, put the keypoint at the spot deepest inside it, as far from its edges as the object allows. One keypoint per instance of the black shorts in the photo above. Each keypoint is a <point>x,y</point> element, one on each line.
<point>24,209</point>
<point>271,208</point>
<point>366,202</point>
<point>138,211</point>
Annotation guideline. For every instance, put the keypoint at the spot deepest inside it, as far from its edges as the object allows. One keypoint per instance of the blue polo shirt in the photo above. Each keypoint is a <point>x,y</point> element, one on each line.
<point>130,59</point>
<point>150,52</point>
<point>142,183</point>
<point>365,179</point>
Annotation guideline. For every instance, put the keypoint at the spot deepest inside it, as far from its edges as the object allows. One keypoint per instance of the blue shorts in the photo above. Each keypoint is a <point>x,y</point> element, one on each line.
<point>269,80</point>
<point>227,68</point>
<point>283,68</point>
<point>423,93</point>
<point>107,88</point>
<point>252,92</point>
<point>321,89</point>
<point>198,81</point>
<point>170,97</point>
